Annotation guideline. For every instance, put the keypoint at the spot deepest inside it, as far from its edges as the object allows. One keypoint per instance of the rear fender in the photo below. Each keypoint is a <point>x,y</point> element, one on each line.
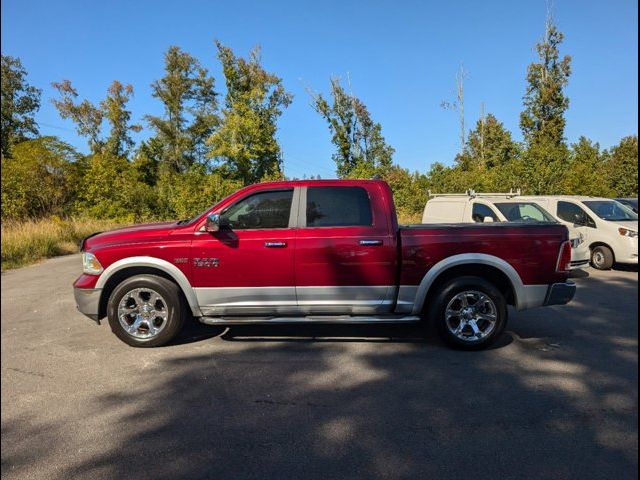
<point>524,296</point>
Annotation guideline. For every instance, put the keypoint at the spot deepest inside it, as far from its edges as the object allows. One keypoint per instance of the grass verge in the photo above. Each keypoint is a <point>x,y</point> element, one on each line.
<point>28,242</point>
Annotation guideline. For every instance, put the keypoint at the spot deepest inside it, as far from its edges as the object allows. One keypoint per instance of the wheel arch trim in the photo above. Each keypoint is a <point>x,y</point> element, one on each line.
<point>519,290</point>
<point>157,263</point>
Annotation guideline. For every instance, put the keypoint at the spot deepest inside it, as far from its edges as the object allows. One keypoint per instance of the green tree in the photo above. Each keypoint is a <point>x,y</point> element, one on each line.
<point>20,102</point>
<point>545,102</point>
<point>488,145</point>
<point>89,117</point>
<point>409,193</point>
<point>186,194</point>
<point>146,160</point>
<point>112,188</point>
<point>189,99</point>
<point>542,121</point>
<point>245,145</point>
<point>586,170</point>
<point>58,170</point>
<point>361,149</point>
<point>623,167</point>
<point>114,107</point>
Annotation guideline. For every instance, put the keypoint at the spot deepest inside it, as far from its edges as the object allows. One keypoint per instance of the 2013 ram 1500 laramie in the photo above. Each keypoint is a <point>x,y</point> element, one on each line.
<point>319,251</point>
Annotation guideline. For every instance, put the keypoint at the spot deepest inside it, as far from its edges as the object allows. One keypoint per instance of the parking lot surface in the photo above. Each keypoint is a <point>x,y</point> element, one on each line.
<point>555,398</point>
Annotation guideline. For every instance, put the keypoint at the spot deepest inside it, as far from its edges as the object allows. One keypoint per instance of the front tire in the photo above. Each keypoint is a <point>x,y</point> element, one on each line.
<point>146,311</point>
<point>469,312</point>
<point>602,258</point>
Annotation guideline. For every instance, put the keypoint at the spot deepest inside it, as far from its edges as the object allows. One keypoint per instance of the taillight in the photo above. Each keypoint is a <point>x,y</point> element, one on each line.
<point>564,257</point>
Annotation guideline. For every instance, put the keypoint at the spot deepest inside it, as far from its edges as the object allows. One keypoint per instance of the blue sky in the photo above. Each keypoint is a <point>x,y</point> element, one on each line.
<point>401,57</point>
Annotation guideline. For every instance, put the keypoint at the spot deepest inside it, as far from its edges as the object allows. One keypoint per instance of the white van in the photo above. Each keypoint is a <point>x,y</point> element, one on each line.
<point>472,207</point>
<point>610,229</point>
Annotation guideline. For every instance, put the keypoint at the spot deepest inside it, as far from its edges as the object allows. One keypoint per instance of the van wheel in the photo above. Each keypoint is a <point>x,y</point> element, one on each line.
<point>469,312</point>
<point>146,311</point>
<point>602,258</point>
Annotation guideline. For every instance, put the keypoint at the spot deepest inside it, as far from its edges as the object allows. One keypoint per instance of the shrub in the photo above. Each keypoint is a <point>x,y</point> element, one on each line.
<point>40,179</point>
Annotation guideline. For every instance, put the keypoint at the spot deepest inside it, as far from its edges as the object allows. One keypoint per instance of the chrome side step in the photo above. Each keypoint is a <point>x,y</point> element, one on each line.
<point>310,319</point>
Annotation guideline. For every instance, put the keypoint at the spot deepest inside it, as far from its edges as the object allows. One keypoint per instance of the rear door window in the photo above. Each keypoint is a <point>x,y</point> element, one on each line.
<point>338,207</point>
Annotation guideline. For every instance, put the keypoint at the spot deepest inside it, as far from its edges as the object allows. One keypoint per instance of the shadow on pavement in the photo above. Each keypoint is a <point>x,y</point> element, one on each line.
<point>556,401</point>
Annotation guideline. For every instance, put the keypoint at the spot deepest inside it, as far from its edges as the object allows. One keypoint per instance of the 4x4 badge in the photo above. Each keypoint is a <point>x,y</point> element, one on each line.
<point>205,262</point>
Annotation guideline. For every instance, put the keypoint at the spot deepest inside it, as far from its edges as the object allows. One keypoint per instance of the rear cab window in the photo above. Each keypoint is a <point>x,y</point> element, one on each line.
<point>338,207</point>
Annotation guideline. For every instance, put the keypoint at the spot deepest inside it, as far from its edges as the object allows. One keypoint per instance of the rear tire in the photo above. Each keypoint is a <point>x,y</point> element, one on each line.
<point>469,312</point>
<point>146,311</point>
<point>601,258</point>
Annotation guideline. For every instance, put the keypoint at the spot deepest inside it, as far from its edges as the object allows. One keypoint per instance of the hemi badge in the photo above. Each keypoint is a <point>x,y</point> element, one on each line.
<point>181,260</point>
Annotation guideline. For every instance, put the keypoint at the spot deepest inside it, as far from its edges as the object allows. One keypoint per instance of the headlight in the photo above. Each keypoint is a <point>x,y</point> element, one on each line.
<point>90,264</point>
<point>627,233</point>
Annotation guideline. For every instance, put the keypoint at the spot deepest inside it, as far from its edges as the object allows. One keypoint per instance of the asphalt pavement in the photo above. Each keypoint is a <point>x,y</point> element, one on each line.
<point>556,398</point>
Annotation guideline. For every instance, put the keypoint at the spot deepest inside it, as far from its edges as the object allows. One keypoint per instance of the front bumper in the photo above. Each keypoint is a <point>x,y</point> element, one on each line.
<point>626,250</point>
<point>631,259</point>
<point>560,293</point>
<point>88,302</point>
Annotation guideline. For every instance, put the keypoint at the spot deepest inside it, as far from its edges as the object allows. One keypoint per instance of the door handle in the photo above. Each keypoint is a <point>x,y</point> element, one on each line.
<point>371,243</point>
<point>275,244</point>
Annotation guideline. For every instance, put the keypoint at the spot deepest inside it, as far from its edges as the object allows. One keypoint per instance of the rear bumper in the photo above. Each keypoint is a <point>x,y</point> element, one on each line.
<point>560,293</point>
<point>88,302</point>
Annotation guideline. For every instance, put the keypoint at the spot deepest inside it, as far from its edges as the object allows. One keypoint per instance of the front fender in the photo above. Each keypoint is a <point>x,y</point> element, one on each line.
<point>159,264</point>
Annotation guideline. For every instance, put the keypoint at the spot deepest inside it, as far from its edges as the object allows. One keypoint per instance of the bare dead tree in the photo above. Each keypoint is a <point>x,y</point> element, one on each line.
<point>458,104</point>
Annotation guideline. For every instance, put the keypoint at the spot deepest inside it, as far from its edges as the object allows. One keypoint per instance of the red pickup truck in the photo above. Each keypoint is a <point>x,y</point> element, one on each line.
<point>319,251</point>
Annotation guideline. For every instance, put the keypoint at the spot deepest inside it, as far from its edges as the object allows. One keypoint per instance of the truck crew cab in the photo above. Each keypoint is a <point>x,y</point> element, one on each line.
<point>319,251</point>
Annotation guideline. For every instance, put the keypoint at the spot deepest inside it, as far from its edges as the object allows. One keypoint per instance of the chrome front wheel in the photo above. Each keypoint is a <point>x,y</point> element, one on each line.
<point>143,313</point>
<point>146,310</point>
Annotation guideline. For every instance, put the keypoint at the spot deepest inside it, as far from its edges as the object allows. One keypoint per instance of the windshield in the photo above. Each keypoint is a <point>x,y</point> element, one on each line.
<point>188,221</point>
<point>629,202</point>
<point>524,212</point>
<point>611,210</point>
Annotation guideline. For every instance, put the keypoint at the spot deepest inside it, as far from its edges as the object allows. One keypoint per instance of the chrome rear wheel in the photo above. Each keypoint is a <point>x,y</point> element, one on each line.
<point>471,316</point>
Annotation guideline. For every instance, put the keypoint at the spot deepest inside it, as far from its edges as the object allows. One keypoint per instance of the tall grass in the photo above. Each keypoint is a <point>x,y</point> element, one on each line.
<point>30,241</point>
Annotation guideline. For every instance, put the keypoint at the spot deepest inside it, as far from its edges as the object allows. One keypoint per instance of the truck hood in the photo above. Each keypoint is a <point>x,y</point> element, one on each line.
<point>133,234</point>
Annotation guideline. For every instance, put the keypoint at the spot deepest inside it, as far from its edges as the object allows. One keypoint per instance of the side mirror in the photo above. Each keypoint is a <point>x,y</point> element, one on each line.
<point>213,223</point>
<point>487,219</point>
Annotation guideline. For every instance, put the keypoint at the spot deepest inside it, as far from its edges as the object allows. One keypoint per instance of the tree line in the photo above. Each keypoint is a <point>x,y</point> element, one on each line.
<point>206,144</point>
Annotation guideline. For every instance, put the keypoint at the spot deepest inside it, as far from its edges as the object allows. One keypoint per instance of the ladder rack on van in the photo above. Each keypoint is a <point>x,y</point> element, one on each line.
<point>473,194</point>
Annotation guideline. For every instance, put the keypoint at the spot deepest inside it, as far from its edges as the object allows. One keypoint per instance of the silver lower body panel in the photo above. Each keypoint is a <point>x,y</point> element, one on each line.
<point>296,301</point>
<point>325,319</point>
